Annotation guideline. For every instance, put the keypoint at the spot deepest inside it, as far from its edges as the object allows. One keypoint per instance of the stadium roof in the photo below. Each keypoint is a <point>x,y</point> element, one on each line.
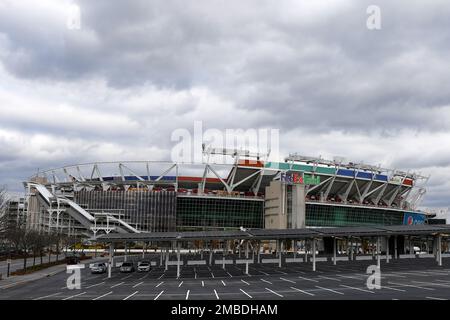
<point>273,234</point>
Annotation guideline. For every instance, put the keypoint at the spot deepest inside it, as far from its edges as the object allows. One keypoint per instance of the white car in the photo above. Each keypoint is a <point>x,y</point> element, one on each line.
<point>98,268</point>
<point>144,266</point>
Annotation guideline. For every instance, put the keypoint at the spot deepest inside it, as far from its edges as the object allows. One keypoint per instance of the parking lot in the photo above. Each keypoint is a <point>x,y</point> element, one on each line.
<point>400,279</point>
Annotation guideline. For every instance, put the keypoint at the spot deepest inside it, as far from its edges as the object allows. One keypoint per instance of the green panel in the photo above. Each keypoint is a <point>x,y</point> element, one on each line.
<point>277,165</point>
<point>306,168</point>
<point>340,216</point>
<point>325,170</point>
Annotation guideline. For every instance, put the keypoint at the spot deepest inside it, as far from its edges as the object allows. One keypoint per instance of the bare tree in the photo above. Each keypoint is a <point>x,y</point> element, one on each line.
<point>3,213</point>
<point>21,239</point>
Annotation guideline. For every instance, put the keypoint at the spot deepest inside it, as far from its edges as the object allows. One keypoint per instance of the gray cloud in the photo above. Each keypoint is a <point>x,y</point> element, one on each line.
<point>136,71</point>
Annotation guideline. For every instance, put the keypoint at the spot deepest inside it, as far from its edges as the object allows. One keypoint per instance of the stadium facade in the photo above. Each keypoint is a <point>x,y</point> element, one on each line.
<point>146,196</point>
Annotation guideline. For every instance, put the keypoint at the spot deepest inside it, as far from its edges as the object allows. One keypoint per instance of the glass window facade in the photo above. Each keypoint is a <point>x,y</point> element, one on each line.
<point>203,213</point>
<point>341,216</point>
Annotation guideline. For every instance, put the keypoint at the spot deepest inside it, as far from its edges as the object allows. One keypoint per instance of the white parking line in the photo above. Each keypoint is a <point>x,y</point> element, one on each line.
<point>94,285</point>
<point>103,295</point>
<point>217,296</point>
<point>282,272</point>
<point>159,295</point>
<point>434,298</point>
<point>130,295</point>
<point>266,281</point>
<point>187,294</point>
<point>328,278</point>
<point>159,284</point>
<point>246,294</point>
<point>212,275</point>
<point>138,284</point>
<point>331,290</point>
<point>410,285</point>
<point>264,273</point>
<point>302,291</point>
<point>118,284</point>
<point>307,279</point>
<point>224,283</point>
<point>245,282</point>
<point>432,283</point>
<point>203,283</point>
<point>76,295</point>
<point>180,284</point>
<point>230,274</point>
<point>354,288</point>
<point>50,295</point>
<point>126,277</point>
<point>395,289</point>
<point>274,292</point>
<point>287,280</point>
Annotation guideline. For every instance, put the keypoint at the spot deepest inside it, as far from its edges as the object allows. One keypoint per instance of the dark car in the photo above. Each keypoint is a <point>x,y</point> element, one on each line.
<point>127,267</point>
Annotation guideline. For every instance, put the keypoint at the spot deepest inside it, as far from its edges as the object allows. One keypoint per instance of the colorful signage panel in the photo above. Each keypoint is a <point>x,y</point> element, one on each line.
<point>410,218</point>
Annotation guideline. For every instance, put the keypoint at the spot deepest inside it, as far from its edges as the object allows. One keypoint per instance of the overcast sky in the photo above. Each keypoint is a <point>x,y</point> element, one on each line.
<point>116,88</point>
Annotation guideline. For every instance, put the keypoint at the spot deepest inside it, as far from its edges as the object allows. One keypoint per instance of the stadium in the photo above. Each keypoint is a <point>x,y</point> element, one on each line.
<point>149,196</point>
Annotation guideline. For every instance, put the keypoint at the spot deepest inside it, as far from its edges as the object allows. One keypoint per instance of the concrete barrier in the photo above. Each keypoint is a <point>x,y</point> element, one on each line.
<point>270,260</point>
<point>342,259</point>
<point>445,255</point>
<point>174,263</point>
<point>290,260</point>
<point>196,262</point>
<point>361,258</point>
<point>426,255</point>
<point>407,256</point>
<point>221,262</point>
<point>244,261</point>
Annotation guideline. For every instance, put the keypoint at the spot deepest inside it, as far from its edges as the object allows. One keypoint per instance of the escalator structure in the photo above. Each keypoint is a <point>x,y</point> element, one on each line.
<point>93,221</point>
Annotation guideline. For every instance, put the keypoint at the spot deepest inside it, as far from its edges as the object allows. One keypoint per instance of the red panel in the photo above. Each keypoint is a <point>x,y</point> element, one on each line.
<point>408,182</point>
<point>251,163</point>
<point>199,179</point>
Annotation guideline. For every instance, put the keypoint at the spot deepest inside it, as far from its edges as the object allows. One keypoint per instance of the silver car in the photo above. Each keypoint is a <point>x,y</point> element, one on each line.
<point>144,266</point>
<point>98,267</point>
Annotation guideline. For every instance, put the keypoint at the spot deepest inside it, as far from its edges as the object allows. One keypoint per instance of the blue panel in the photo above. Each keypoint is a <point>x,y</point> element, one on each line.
<point>381,177</point>
<point>345,172</point>
<point>410,218</point>
<point>108,178</point>
<point>165,178</point>
<point>364,175</point>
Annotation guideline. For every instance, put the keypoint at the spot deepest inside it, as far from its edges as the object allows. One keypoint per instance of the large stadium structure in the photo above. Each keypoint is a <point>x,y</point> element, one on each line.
<point>148,196</point>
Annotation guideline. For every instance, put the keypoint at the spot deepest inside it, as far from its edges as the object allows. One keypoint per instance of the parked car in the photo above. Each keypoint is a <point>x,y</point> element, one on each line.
<point>99,267</point>
<point>144,266</point>
<point>127,267</point>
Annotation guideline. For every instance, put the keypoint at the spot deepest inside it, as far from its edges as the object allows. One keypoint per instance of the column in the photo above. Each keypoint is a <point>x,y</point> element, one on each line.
<point>167,260</point>
<point>314,254</point>
<point>387,249</point>
<point>259,252</point>
<point>439,250</point>
<point>111,258</point>
<point>126,253</point>
<point>334,251</point>
<point>178,260</point>
<point>210,253</point>
<point>279,257</point>
<point>351,249</point>
<point>378,253</point>
<point>395,248</point>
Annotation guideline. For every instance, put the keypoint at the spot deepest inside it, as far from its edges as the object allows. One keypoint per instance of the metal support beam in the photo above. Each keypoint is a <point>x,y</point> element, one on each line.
<point>280,254</point>
<point>395,248</point>
<point>334,251</point>
<point>378,253</point>
<point>111,258</point>
<point>178,260</point>
<point>314,254</point>
<point>387,249</point>
<point>439,251</point>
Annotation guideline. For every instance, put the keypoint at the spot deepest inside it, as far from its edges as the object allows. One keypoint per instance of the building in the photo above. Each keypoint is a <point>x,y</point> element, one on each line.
<point>145,196</point>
